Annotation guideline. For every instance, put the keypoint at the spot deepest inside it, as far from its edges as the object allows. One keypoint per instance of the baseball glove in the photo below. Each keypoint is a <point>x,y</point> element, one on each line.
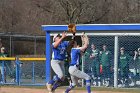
<point>72,28</point>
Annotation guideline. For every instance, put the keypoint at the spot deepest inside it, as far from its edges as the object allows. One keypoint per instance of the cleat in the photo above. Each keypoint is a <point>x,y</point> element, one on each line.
<point>49,87</point>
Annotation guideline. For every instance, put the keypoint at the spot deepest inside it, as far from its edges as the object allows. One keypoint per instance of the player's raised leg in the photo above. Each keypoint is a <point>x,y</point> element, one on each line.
<point>53,84</point>
<point>82,75</point>
<point>72,85</point>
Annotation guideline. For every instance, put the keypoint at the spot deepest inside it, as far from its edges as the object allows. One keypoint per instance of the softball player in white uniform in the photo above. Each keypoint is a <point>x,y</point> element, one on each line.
<point>73,69</point>
<point>57,62</point>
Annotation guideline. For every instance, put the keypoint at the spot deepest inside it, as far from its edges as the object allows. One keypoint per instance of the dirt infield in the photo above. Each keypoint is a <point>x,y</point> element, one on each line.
<point>34,90</point>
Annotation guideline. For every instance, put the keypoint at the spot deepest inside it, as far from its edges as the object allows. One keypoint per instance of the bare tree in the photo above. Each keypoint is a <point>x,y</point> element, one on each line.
<point>76,11</point>
<point>27,16</point>
<point>10,16</point>
<point>133,12</point>
<point>85,11</point>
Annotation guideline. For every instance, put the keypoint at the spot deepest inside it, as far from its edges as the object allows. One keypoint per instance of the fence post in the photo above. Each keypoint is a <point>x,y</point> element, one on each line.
<point>48,51</point>
<point>116,62</point>
<point>3,72</point>
<point>17,71</point>
<point>83,60</point>
<point>33,72</point>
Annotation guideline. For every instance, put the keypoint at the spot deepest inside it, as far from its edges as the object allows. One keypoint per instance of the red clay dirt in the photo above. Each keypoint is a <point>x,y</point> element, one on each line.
<point>33,90</point>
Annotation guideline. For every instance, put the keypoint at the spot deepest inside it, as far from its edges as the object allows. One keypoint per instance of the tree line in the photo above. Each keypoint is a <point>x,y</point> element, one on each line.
<point>27,16</point>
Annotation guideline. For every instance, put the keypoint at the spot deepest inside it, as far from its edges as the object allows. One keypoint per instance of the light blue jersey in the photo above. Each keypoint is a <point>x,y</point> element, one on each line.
<point>59,53</point>
<point>75,72</point>
<point>75,56</point>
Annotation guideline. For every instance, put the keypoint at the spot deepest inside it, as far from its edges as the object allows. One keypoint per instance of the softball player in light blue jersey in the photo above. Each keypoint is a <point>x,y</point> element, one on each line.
<point>57,62</point>
<point>73,69</point>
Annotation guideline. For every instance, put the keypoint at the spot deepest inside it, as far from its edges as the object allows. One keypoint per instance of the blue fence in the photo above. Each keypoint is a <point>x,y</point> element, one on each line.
<point>22,72</point>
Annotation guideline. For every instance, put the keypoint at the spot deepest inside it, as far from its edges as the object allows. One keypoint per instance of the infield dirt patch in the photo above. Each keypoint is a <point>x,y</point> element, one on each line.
<point>33,90</point>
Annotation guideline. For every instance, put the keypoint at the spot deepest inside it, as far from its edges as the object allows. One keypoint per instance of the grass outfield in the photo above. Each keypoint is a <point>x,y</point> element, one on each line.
<point>128,90</point>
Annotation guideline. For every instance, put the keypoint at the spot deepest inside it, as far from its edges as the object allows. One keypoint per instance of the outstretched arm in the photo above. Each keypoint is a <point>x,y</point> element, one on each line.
<point>85,42</point>
<point>64,34</point>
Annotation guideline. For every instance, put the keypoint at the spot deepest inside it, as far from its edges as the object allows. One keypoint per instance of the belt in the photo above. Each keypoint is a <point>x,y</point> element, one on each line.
<point>59,59</point>
<point>74,65</point>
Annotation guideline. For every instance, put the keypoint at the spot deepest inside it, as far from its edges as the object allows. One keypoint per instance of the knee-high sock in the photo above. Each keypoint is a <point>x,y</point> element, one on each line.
<point>69,88</point>
<point>88,86</point>
<point>56,85</point>
<point>54,80</point>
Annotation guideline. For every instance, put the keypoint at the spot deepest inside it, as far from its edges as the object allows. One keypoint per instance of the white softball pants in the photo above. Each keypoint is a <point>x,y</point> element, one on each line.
<point>76,73</point>
<point>58,68</point>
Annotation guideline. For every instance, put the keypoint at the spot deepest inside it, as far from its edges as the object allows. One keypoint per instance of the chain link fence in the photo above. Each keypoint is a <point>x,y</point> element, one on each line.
<point>32,73</point>
<point>24,46</point>
<point>99,61</point>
